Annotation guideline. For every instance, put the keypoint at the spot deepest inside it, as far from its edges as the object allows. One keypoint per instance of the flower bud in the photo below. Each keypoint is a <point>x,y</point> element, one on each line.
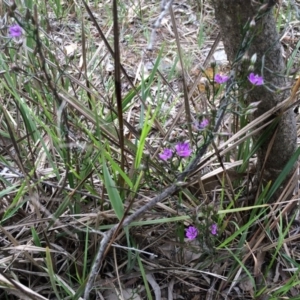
<point>142,167</point>
<point>253,59</point>
<point>252,23</point>
<point>251,68</point>
<point>213,63</point>
<point>245,57</point>
<point>12,5</point>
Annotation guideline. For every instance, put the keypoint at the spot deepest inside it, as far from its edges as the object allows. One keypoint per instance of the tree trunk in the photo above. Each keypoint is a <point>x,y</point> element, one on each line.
<point>232,16</point>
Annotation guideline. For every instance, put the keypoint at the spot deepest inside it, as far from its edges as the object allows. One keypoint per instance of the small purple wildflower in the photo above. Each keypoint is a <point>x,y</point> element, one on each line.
<point>166,154</point>
<point>214,229</point>
<point>183,149</point>
<point>15,30</point>
<point>191,232</point>
<point>203,124</point>
<point>221,78</point>
<point>200,125</point>
<point>255,79</point>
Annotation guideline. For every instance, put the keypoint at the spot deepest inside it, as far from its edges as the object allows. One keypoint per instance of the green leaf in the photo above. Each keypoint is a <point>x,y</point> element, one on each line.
<point>35,237</point>
<point>286,170</point>
<point>142,269</point>
<point>50,272</point>
<point>117,168</point>
<point>113,193</point>
<point>146,129</point>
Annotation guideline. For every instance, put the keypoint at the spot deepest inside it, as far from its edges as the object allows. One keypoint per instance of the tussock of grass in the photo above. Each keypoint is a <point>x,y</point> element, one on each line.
<point>88,208</point>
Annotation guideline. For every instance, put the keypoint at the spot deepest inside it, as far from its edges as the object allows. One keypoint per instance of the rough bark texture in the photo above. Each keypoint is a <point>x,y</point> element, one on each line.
<point>231,16</point>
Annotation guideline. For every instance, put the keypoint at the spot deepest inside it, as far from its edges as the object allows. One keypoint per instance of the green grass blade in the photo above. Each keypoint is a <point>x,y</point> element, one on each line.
<point>50,272</point>
<point>113,193</point>
<point>145,131</point>
<point>286,170</point>
<point>149,296</point>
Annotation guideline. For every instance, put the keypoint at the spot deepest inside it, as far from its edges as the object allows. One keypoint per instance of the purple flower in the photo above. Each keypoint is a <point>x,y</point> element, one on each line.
<point>203,124</point>
<point>255,79</point>
<point>183,149</point>
<point>191,232</point>
<point>221,78</point>
<point>166,154</point>
<point>214,229</point>
<point>15,30</point>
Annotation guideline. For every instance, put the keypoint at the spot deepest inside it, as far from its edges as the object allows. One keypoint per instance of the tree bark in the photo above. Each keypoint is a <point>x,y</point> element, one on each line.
<point>232,16</point>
